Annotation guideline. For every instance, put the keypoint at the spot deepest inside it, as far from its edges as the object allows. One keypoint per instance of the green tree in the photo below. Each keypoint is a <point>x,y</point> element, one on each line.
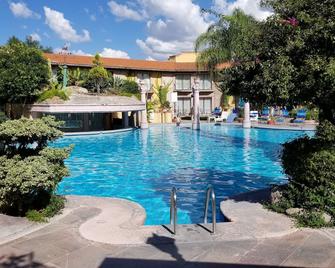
<point>36,44</point>
<point>98,74</point>
<point>232,38</point>
<point>24,72</point>
<point>29,170</point>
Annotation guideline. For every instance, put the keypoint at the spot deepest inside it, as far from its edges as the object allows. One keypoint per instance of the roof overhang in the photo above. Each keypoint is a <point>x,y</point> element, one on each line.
<point>85,108</point>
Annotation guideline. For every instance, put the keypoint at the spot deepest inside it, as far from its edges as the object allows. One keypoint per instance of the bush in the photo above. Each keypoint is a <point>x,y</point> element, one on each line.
<point>55,206</point>
<point>310,166</point>
<point>49,94</point>
<point>29,170</point>
<point>124,87</point>
<point>3,117</point>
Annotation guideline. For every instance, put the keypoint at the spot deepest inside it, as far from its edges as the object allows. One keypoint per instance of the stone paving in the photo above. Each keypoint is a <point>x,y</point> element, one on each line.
<point>60,245</point>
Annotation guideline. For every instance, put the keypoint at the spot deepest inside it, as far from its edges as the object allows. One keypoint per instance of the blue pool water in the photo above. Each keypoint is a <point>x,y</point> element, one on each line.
<point>143,166</point>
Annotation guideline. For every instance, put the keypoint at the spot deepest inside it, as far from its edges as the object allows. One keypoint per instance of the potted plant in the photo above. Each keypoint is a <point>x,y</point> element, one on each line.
<point>272,120</point>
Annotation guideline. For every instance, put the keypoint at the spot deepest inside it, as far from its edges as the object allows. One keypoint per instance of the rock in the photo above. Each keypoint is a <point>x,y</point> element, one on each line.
<point>275,196</point>
<point>77,90</point>
<point>294,211</point>
<point>326,217</point>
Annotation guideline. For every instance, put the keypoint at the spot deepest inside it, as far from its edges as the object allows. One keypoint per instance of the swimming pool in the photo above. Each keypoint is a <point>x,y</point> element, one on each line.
<point>143,166</point>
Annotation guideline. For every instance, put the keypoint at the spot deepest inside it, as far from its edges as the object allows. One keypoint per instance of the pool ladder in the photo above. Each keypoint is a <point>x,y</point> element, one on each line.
<point>210,196</point>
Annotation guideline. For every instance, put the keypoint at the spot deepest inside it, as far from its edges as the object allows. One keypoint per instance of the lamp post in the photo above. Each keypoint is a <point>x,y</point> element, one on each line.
<point>196,110</point>
<point>144,120</point>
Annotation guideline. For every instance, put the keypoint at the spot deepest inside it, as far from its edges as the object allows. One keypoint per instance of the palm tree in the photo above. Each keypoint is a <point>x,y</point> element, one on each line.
<point>231,38</point>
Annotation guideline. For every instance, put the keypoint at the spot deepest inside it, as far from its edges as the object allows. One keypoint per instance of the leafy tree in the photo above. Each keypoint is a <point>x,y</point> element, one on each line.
<point>24,72</point>
<point>29,170</point>
<point>36,44</point>
<point>98,74</point>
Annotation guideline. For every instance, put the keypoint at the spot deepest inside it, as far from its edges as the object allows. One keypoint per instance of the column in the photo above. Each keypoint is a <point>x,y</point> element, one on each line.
<point>246,120</point>
<point>65,76</point>
<point>125,120</point>
<point>196,108</point>
<point>144,119</point>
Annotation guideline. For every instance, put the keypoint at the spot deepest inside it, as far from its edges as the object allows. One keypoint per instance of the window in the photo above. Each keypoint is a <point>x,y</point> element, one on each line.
<point>145,78</point>
<point>205,82</point>
<point>205,105</point>
<point>183,82</point>
<point>184,106</point>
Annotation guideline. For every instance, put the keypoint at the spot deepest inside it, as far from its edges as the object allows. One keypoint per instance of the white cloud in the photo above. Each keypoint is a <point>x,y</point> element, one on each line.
<point>21,10</point>
<point>124,12</point>
<point>78,52</point>
<point>111,53</point>
<point>63,28</point>
<point>91,16</point>
<point>35,37</point>
<point>150,58</point>
<point>250,7</point>
<point>173,26</point>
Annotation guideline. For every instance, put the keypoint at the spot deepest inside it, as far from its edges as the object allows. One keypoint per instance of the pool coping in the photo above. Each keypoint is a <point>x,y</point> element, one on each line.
<point>101,132</point>
<point>121,222</point>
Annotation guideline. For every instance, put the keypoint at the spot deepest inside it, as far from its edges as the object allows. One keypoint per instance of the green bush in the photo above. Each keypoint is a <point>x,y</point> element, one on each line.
<point>310,166</point>
<point>124,87</point>
<point>49,94</point>
<point>3,117</point>
<point>55,206</point>
<point>29,170</point>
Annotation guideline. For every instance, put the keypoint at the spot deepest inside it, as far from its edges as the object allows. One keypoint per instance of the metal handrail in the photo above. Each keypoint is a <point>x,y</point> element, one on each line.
<point>173,210</point>
<point>210,193</point>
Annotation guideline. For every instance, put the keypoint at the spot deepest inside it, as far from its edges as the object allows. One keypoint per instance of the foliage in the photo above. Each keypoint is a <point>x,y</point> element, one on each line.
<point>56,204</point>
<point>29,170</point>
<point>55,90</point>
<point>310,166</point>
<point>36,44</point>
<point>98,74</point>
<point>76,77</point>
<point>3,117</point>
<point>313,219</point>
<point>231,38</point>
<point>124,87</point>
<point>24,72</point>
<point>162,91</point>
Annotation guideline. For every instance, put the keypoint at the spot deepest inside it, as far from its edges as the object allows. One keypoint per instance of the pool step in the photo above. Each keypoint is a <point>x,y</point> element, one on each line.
<point>210,196</point>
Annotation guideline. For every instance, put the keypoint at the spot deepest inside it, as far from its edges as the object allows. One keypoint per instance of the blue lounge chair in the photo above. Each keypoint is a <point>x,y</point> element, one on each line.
<point>301,116</point>
<point>231,117</point>
<point>281,118</point>
<point>265,115</point>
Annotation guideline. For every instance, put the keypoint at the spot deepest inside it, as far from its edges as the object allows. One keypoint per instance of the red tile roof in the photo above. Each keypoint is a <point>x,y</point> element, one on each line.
<point>125,64</point>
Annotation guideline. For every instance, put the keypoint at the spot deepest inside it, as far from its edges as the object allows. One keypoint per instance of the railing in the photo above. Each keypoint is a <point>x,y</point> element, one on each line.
<point>173,210</point>
<point>210,195</point>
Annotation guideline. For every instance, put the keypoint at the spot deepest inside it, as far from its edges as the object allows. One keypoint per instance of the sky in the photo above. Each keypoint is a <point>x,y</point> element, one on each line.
<point>138,29</point>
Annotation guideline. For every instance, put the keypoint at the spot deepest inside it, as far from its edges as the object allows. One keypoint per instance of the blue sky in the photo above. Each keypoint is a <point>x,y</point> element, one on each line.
<point>145,29</point>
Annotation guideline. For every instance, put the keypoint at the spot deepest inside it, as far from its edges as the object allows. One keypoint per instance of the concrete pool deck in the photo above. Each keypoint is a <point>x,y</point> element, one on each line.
<point>93,233</point>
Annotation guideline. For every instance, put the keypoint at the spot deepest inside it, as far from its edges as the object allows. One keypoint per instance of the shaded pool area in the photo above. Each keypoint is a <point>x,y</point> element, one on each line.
<point>143,166</point>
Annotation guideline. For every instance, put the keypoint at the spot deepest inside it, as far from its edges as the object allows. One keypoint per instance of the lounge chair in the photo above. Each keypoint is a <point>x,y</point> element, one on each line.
<point>301,116</point>
<point>223,116</point>
<point>265,116</point>
<point>231,117</point>
<point>253,115</point>
<point>281,118</point>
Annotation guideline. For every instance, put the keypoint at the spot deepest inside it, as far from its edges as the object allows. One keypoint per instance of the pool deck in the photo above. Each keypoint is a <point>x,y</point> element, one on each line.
<point>106,232</point>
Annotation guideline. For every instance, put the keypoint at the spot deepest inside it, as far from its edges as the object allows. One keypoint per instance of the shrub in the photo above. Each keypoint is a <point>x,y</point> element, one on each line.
<point>57,203</point>
<point>124,87</point>
<point>55,90</point>
<point>310,166</point>
<point>29,170</point>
